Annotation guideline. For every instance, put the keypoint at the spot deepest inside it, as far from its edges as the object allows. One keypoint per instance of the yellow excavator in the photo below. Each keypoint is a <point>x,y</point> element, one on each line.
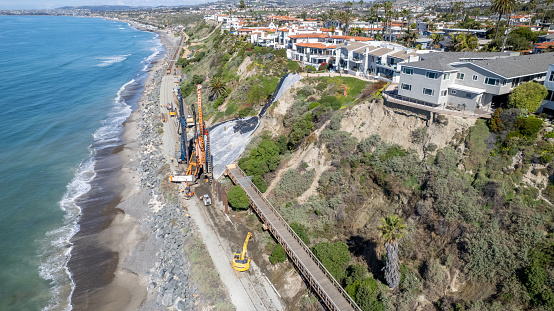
<point>241,262</point>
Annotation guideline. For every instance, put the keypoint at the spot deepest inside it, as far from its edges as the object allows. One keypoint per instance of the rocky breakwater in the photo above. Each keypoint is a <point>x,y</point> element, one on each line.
<point>169,278</point>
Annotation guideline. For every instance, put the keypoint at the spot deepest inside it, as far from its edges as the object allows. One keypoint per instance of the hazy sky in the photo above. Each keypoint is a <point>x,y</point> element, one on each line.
<point>52,4</point>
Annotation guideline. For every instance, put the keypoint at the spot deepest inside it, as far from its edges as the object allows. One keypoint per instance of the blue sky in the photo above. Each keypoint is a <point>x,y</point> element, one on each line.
<point>52,4</point>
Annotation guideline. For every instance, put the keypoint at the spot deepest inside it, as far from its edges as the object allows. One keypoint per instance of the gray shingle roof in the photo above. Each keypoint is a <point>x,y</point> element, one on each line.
<point>518,66</point>
<point>500,63</point>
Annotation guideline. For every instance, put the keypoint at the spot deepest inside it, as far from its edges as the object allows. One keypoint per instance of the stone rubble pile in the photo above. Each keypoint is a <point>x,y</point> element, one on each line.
<point>169,279</point>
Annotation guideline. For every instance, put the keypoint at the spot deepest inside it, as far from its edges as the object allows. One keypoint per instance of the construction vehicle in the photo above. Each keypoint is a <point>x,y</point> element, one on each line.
<point>207,200</point>
<point>241,262</point>
<point>171,110</point>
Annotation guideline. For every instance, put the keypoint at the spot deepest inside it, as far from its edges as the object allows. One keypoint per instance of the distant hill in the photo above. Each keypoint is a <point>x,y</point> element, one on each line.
<point>103,7</point>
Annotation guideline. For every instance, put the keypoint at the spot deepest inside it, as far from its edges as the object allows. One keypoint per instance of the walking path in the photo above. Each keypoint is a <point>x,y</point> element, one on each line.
<point>322,282</point>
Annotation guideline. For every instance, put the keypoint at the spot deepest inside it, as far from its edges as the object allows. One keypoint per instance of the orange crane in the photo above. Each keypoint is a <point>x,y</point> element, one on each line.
<point>198,156</point>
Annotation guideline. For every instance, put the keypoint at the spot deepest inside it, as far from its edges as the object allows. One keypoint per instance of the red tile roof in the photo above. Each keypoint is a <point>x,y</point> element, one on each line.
<point>316,45</point>
<point>308,35</point>
<point>352,38</point>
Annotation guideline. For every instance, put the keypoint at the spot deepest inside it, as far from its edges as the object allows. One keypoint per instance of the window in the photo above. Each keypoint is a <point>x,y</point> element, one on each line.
<point>444,92</point>
<point>468,95</point>
<point>452,91</point>
<point>408,71</point>
<point>446,76</point>
<point>551,78</point>
<point>432,75</point>
<point>460,76</point>
<point>427,91</point>
<point>407,87</point>
<point>504,82</point>
<point>475,77</point>
<point>491,81</point>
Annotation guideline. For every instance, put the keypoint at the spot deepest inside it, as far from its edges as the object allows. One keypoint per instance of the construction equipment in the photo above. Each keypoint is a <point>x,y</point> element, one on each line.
<point>241,262</point>
<point>207,200</point>
<point>197,162</point>
<point>171,110</point>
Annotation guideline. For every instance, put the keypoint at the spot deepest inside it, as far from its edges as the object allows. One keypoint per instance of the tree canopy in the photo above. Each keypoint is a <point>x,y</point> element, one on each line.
<point>527,96</point>
<point>335,257</point>
<point>237,198</point>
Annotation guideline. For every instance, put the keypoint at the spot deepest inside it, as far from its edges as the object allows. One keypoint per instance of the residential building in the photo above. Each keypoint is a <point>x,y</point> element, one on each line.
<point>548,104</point>
<point>374,58</point>
<point>465,81</point>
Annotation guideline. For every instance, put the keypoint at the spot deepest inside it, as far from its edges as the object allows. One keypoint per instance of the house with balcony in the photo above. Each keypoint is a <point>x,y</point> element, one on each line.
<point>468,81</point>
<point>373,58</point>
<point>313,54</point>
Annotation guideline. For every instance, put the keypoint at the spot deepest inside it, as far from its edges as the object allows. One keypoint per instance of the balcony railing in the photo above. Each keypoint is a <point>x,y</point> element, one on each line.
<point>450,109</point>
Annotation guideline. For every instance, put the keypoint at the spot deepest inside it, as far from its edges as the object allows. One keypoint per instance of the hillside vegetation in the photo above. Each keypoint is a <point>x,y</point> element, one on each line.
<point>476,204</point>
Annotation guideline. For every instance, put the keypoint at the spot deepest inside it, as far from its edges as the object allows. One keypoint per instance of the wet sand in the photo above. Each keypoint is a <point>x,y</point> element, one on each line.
<point>114,251</point>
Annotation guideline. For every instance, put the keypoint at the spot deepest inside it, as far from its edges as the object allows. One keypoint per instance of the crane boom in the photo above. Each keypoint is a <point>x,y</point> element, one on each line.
<point>201,123</point>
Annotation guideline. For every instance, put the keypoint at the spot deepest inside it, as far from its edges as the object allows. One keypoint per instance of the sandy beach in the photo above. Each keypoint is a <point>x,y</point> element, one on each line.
<point>128,235</point>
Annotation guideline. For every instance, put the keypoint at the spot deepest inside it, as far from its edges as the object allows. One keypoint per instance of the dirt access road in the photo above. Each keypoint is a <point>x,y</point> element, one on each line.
<point>249,290</point>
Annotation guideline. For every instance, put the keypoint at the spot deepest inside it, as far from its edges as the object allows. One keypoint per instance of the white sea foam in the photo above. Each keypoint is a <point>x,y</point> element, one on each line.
<point>110,60</point>
<point>157,49</point>
<point>57,246</point>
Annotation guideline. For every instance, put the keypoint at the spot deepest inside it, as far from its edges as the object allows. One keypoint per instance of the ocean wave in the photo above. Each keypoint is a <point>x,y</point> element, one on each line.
<point>158,50</point>
<point>110,60</point>
<point>57,246</point>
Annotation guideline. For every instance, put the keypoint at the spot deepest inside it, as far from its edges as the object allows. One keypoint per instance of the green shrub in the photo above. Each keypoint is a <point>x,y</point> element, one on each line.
<point>528,96</point>
<point>293,184</point>
<point>245,112</point>
<point>331,101</point>
<point>236,197</point>
<point>537,276</point>
<point>301,128</point>
<point>300,230</point>
<point>393,151</point>
<point>529,126</point>
<point>313,105</point>
<point>261,160</point>
<point>546,158</point>
<point>278,254</point>
<point>231,108</point>
<point>310,68</point>
<point>218,102</point>
<point>335,257</point>
<point>477,152</point>
<point>365,293</point>
<point>260,183</point>
<point>292,66</point>
<point>356,272</point>
<point>549,135</point>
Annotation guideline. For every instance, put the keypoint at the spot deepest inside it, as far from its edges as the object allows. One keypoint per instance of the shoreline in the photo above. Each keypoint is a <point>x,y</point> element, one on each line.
<point>127,237</point>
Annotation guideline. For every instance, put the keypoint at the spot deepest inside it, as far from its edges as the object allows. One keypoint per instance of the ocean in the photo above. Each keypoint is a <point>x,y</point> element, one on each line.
<point>66,86</point>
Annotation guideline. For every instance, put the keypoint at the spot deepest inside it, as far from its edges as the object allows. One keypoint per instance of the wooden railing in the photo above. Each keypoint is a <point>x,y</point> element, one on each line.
<point>320,290</point>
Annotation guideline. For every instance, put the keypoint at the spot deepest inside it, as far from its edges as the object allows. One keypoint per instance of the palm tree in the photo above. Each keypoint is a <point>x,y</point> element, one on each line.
<point>217,87</point>
<point>465,43</point>
<point>387,6</point>
<point>361,3</point>
<point>242,6</point>
<point>502,7</point>
<point>437,38</point>
<point>345,18</point>
<point>392,229</point>
<point>372,17</point>
<point>457,7</point>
